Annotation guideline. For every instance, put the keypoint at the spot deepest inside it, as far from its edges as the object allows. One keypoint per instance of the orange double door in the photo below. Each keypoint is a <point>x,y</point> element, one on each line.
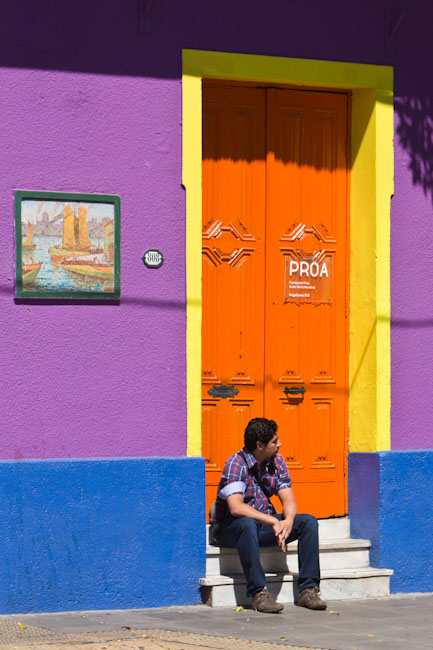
<point>276,283</point>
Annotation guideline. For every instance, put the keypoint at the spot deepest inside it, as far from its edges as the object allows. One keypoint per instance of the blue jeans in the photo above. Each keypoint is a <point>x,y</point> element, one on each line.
<point>247,535</point>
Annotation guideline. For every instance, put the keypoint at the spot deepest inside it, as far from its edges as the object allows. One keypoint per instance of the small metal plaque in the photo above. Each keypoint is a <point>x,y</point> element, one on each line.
<point>153,258</point>
<point>223,391</point>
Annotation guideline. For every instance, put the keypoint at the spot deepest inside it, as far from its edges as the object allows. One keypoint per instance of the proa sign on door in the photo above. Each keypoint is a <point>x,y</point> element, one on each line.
<point>308,279</point>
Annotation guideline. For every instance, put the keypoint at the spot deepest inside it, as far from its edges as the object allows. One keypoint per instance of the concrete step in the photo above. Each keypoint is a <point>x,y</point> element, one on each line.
<point>344,566</point>
<point>335,528</point>
<point>336,584</point>
<point>334,554</point>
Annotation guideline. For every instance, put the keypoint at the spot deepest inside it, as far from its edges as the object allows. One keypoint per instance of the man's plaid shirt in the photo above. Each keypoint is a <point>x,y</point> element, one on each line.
<point>237,478</point>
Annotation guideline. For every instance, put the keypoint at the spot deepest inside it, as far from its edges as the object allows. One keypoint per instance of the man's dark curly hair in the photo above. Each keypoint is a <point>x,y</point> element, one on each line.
<point>259,430</point>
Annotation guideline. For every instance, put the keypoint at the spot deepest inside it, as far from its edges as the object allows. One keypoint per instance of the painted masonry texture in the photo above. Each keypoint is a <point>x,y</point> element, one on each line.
<point>395,513</point>
<point>89,103</point>
<point>78,368</point>
<point>62,533</point>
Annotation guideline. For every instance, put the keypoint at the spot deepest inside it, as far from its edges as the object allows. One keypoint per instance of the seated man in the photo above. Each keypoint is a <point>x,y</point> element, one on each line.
<point>244,517</point>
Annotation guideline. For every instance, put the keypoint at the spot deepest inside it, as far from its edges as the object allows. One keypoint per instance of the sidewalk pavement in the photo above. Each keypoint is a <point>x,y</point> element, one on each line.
<point>404,622</point>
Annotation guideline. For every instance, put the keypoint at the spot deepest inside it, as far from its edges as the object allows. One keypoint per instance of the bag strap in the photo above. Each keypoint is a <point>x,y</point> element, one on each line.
<point>258,479</point>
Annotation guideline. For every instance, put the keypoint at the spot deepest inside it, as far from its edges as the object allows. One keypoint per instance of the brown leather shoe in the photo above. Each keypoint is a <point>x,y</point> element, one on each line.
<point>310,598</point>
<point>264,602</point>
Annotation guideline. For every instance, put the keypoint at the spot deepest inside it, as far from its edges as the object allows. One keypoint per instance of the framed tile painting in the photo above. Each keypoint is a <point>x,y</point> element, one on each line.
<point>67,245</point>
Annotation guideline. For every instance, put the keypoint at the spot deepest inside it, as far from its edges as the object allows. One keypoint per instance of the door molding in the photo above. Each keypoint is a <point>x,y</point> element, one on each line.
<point>371,188</point>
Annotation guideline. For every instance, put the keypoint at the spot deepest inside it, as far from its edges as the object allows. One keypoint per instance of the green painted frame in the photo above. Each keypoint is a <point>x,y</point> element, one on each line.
<point>114,200</point>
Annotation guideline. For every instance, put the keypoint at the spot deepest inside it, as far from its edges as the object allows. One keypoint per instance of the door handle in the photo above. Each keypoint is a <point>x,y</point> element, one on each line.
<point>294,390</point>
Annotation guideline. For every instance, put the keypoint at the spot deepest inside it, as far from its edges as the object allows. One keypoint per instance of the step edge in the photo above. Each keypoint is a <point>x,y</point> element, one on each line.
<point>346,574</point>
<point>326,545</point>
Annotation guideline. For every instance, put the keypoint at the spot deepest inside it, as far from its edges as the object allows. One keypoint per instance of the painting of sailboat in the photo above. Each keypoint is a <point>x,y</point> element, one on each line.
<point>28,245</point>
<point>30,273</point>
<point>67,245</point>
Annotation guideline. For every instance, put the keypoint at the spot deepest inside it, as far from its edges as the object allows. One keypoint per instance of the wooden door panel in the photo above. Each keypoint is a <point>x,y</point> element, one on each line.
<point>241,412</point>
<point>321,455</point>
<point>233,240</point>
<point>305,340</point>
<point>209,315</point>
<point>324,212</point>
<point>323,364</point>
<point>290,420</point>
<point>211,441</point>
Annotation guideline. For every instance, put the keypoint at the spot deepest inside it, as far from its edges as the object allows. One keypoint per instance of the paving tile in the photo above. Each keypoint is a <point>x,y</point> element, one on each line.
<point>386,623</point>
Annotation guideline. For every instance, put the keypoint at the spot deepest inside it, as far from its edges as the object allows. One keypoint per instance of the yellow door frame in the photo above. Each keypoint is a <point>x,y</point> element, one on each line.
<point>371,188</point>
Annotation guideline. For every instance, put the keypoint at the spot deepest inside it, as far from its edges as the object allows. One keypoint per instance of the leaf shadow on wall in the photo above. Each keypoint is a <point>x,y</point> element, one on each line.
<point>415,134</point>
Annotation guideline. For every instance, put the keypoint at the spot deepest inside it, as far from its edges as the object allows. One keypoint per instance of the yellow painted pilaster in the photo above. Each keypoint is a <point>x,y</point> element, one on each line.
<point>362,322</point>
<point>191,179</point>
<point>385,189</point>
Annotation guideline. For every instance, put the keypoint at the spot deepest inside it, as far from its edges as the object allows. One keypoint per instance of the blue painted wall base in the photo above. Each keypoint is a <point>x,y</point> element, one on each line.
<point>101,534</point>
<point>390,503</point>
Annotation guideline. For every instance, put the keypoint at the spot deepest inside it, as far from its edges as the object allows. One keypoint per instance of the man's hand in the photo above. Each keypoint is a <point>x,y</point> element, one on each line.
<point>287,499</point>
<point>282,530</point>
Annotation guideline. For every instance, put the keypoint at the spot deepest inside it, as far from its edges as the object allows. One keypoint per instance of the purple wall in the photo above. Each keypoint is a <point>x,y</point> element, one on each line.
<point>412,273</point>
<point>88,103</point>
<point>412,303</point>
<point>96,380</point>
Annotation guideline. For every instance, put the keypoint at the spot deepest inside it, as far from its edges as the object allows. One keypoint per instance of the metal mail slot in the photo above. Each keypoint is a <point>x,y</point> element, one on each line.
<point>223,391</point>
<point>294,390</point>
